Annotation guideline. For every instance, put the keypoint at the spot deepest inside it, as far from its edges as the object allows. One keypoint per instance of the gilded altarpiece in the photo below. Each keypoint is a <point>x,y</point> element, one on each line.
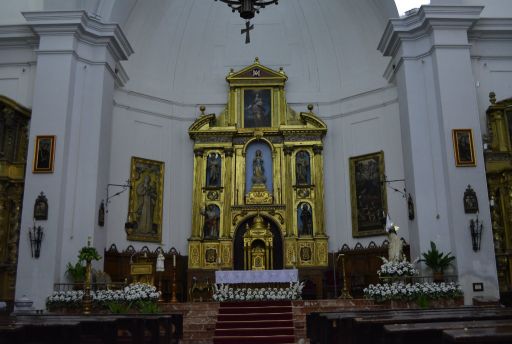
<point>498,164</point>
<point>258,180</point>
<point>14,123</point>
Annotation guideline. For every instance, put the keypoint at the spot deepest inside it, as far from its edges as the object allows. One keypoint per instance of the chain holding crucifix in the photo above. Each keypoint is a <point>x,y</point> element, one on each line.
<point>248,28</point>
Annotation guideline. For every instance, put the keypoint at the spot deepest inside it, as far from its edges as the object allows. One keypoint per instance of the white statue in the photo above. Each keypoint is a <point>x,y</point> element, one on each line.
<point>395,244</point>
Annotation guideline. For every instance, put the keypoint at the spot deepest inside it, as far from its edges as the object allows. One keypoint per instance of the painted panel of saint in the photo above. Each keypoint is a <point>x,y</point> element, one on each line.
<point>145,207</point>
<point>211,225</point>
<point>213,170</point>
<point>368,194</point>
<point>257,108</point>
<point>302,168</point>
<point>305,219</point>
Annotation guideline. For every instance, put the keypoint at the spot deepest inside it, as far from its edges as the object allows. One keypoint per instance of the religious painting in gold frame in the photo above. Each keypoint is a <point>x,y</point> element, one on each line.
<point>367,194</point>
<point>44,154</point>
<point>257,107</point>
<point>463,147</point>
<point>146,199</point>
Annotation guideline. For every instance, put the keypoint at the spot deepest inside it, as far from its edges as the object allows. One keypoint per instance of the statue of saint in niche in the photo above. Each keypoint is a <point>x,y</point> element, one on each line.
<point>213,170</point>
<point>302,168</point>
<point>258,170</point>
<point>211,215</point>
<point>147,195</point>
<point>306,219</point>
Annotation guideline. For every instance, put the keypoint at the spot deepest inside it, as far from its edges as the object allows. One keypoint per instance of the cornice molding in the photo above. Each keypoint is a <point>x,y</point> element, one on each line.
<point>491,28</point>
<point>426,19</point>
<point>83,27</point>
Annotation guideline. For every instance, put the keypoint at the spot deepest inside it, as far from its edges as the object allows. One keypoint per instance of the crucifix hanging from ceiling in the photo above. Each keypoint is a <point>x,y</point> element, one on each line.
<point>247,10</point>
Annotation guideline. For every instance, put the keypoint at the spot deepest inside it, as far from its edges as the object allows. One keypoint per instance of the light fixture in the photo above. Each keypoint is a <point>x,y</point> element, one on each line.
<point>247,10</point>
<point>475,228</point>
<point>35,234</point>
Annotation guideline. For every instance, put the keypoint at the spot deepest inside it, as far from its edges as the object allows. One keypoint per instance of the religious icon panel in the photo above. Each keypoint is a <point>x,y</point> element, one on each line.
<point>368,194</point>
<point>257,108</point>
<point>145,206</point>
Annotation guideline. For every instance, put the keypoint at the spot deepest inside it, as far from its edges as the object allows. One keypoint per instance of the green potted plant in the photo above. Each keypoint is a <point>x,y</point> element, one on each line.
<point>437,261</point>
<point>76,272</point>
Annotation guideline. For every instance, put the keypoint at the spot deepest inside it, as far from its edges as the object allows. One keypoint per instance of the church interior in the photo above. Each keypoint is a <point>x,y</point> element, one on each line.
<point>256,171</point>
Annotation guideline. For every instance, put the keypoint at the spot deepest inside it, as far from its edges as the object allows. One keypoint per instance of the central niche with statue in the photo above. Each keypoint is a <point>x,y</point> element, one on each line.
<point>258,180</point>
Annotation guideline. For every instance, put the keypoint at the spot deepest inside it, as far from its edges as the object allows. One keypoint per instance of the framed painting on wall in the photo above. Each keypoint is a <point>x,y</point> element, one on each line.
<point>146,198</point>
<point>257,107</point>
<point>44,154</point>
<point>463,147</point>
<point>367,194</point>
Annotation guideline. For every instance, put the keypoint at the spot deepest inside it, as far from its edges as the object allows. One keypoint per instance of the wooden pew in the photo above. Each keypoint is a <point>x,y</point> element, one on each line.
<point>126,328</point>
<point>432,332</point>
<point>496,334</point>
<point>367,326</point>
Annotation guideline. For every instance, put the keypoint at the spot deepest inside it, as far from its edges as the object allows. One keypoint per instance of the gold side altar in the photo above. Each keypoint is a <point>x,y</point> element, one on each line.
<point>14,126</point>
<point>258,180</point>
<point>498,165</point>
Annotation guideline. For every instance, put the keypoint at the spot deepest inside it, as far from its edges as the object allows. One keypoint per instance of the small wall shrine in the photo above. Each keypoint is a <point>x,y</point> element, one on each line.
<point>258,180</point>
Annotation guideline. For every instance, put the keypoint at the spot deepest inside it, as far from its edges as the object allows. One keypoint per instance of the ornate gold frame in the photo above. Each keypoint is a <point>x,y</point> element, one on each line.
<point>459,161</point>
<point>36,168</point>
<point>139,170</point>
<point>357,231</point>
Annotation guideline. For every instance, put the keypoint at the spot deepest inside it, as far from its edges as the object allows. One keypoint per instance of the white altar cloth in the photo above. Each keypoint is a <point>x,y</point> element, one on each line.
<point>257,276</point>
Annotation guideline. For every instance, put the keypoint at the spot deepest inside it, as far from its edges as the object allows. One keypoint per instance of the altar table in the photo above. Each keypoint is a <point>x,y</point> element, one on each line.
<point>256,276</point>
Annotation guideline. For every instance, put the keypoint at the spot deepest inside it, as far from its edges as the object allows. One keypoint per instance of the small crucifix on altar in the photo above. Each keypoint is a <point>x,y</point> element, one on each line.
<point>248,28</point>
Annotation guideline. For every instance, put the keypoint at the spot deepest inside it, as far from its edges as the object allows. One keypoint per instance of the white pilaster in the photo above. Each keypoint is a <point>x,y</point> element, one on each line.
<point>431,65</point>
<point>77,70</point>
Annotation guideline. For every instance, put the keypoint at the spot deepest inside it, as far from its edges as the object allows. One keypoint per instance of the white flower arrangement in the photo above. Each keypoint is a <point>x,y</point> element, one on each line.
<point>397,268</point>
<point>401,291</point>
<point>131,293</point>
<point>224,292</point>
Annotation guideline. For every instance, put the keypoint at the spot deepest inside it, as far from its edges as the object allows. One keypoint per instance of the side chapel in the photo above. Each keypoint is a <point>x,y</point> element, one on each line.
<point>258,180</point>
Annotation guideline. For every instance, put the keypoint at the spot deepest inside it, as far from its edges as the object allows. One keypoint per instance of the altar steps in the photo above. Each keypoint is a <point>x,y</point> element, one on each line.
<point>255,323</point>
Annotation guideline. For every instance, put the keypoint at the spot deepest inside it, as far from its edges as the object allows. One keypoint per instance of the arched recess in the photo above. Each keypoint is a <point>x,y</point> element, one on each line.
<point>268,158</point>
<point>238,243</point>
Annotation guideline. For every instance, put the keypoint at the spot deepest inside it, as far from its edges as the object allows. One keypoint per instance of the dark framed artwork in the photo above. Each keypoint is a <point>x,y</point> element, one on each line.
<point>44,154</point>
<point>367,194</point>
<point>463,147</point>
<point>470,201</point>
<point>257,106</point>
<point>41,207</point>
<point>146,198</point>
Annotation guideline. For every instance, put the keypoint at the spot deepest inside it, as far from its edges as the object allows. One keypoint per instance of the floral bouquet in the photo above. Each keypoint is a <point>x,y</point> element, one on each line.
<point>412,291</point>
<point>224,292</point>
<point>401,268</point>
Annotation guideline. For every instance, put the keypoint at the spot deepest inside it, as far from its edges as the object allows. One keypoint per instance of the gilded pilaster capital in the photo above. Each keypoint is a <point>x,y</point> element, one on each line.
<point>198,152</point>
<point>229,152</point>
<point>287,150</point>
<point>317,149</point>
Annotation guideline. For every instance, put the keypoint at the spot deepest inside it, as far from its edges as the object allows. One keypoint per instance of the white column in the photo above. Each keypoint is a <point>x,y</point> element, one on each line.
<point>77,70</point>
<point>431,66</point>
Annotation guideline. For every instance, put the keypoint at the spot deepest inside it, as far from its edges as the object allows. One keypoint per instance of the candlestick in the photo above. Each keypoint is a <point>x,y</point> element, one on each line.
<point>345,294</point>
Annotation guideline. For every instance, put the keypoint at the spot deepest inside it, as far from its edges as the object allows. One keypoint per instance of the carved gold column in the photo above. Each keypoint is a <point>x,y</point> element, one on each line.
<point>288,191</point>
<point>497,124</point>
<point>319,191</point>
<point>198,193</point>
<point>228,191</point>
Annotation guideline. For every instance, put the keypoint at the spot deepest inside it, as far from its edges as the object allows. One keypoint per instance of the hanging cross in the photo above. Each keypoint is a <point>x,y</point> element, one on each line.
<point>248,28</point>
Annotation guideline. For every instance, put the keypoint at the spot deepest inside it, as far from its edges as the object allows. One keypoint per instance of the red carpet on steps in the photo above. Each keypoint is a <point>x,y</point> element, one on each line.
<point>254,323</point>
